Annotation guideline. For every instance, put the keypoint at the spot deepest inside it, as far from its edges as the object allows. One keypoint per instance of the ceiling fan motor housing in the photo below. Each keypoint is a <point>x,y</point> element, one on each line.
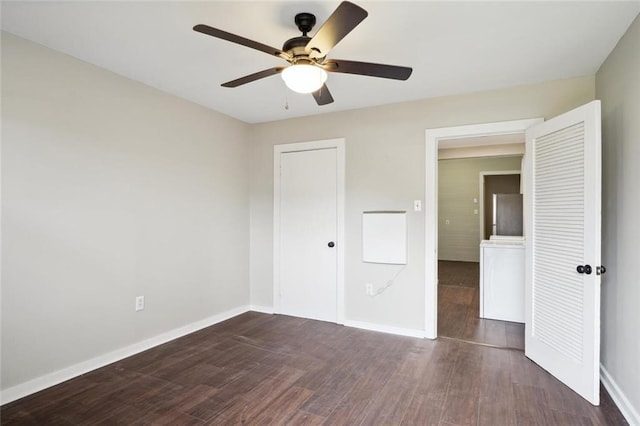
<point>305,22</point>
<point>296,48</point>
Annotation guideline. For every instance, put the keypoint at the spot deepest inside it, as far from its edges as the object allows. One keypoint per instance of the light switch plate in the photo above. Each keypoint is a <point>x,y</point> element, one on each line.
<point>139,303</point>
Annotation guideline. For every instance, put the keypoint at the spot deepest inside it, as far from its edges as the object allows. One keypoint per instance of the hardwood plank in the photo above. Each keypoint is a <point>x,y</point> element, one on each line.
<point>331,392</point>
<point>302,418</point>
<point>239,382</point>
<point>41,403</point>
<point>423,410</point>
<point>280,409</point>
<point>169,418</point>
<point>186,400</point>
<point>255,402</point>
<point>496,404</point>
<point>255,369</point>
<point>607,412</point>
<point>209,408</point>
<point>530,405</point>
<point>462,399</point>
<point>515,335</point>
<point>352,408</point>
<point>435,381</point>
<point>391,403</point>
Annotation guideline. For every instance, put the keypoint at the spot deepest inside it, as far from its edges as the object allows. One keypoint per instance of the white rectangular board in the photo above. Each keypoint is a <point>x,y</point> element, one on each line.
<point>384,237</point>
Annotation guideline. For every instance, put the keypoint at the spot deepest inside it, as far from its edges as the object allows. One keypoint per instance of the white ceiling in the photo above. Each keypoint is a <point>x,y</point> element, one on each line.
<point>453,47</point>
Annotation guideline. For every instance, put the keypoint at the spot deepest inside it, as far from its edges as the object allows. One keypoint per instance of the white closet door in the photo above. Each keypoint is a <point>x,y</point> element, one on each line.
<point>308,231</point>
<point>563,248</point>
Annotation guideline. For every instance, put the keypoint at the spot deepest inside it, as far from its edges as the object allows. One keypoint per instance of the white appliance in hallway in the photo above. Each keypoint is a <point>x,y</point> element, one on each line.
<point>502,279</point>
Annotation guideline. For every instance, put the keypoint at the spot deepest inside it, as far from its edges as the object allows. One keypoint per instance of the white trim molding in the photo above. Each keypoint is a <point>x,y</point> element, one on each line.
<point>434,139</point>
<point>629,412</point>
<point>39,383</point>
<point>261,309</point>
<point>409,332</point>
<point>339,145</point>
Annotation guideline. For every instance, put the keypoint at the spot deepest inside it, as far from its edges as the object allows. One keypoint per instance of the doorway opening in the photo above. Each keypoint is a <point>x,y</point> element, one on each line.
<point>496,138</point>
<point>467,189</point>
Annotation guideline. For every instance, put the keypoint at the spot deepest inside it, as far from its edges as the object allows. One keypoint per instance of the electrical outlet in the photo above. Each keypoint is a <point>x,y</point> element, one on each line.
<point>139,303</point>
<point>369,289</point>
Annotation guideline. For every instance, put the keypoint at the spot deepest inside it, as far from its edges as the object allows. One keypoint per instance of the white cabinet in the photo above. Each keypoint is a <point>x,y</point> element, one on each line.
<point>502,280</point>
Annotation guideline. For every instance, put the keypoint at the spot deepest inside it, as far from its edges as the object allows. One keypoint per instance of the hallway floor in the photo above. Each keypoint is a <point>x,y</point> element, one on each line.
<point>459,308</point>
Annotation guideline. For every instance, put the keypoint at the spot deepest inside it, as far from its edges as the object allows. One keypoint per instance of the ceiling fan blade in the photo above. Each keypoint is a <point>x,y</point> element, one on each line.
<point>344,19</point>
<point>323,96</point>
<point>233,38</point>
<point>367,68</point>
<point>253,77</point>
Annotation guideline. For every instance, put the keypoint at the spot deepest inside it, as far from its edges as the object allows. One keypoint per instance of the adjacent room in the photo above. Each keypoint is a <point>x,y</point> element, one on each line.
<point>472,305</point>
<point>194,233</point>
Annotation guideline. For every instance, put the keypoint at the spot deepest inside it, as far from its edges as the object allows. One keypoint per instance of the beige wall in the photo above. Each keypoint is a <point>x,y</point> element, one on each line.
<point>385,169</point>
<point>110,190</point>
<point>458,185</point>
<point>618,86</point>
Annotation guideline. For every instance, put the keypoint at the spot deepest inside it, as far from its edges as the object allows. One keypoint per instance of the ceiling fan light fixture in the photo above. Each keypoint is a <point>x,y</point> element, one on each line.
<point>304,78</point>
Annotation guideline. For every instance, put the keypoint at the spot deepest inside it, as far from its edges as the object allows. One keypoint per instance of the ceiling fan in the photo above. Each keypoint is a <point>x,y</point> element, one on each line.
<point>308,65</point>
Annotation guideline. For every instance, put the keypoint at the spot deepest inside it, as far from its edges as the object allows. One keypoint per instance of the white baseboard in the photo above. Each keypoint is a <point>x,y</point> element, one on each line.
<point>410,332</point>
<point>32,386</point>
<point>357,324</point>
<point>625,406</point>
<point>261,309</point>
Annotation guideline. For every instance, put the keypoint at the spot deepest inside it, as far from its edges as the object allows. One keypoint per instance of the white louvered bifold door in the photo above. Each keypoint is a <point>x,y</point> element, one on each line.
<point>563,236</point>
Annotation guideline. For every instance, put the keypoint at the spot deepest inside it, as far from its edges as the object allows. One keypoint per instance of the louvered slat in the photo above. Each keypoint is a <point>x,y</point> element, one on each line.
<point>558,239</point>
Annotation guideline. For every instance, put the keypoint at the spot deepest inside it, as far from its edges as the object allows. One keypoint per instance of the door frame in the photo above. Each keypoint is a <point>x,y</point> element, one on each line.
<point>434,139</point>
<point>339,145</point>
<point>481,193</point>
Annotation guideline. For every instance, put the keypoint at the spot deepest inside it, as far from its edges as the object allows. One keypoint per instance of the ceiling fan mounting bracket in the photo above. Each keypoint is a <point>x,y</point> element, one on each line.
<point>305,22</point>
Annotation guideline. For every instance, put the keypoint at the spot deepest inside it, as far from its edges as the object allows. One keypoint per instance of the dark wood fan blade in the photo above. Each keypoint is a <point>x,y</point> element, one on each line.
<point>253,77</point>
<point>344,19</point>
<point>233,38</point>
<point>367,68</point>
<point>323,96</point>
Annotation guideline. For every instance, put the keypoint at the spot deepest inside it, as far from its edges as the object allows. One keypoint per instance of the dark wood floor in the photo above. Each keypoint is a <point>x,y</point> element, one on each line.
<point>459,308</point>
<point>273,369</point>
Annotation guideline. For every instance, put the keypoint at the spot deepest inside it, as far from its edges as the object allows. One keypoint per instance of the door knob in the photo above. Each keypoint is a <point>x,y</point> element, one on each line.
<point>600,270</point>
<point>586,269</point>
<point>331,244</point>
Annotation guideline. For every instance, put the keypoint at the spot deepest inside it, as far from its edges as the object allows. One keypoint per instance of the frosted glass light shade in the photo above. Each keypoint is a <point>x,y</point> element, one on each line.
<point>304,78</point>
